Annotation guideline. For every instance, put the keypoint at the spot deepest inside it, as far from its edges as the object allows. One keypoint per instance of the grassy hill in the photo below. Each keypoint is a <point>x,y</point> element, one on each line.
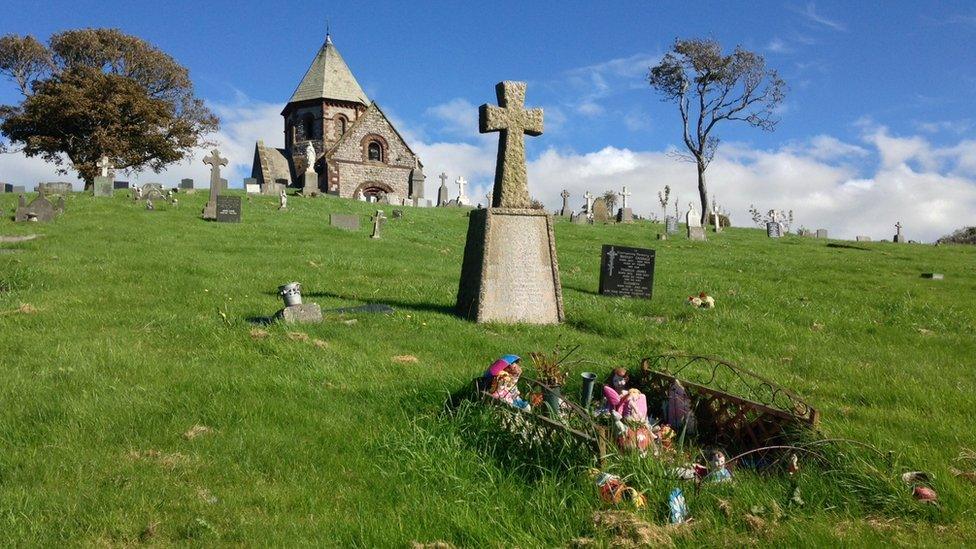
<point>141,326</point>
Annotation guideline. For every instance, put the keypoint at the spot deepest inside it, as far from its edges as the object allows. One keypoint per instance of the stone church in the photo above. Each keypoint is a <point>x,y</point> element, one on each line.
<point>358,152</point>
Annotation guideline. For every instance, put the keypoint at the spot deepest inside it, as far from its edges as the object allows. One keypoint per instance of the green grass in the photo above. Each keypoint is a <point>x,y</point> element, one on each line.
<point>337,444</point>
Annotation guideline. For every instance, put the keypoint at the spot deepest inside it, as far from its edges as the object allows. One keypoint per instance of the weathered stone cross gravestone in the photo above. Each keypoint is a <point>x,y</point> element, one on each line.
<point>716,220</point>
<point>462,199</point>
<point>442,198</point>
<point>510,272</point>
<point>589,203</point>
<point>625,214</point>
<point>898,236</point>
<point>565,211</point>
<point>695,229</point>
<point>104,185</point>
<point>215,162</point>
<point>378,220</point>
<point>626,271</point>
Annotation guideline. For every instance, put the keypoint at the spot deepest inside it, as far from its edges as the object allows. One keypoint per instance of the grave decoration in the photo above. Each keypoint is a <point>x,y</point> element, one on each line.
<point>296,312</point>
<point>701,301</point>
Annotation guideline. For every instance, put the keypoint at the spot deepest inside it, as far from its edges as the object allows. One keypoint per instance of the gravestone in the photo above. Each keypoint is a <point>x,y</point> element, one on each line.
<point>510,273</point>
<point>774,229</point>
<point>898,236</point>
<point>565,211</point>
<point>119,185</point>
<point>417,178</point>
<point>4,187</point>
<point>40,210</point>
<point>626,271</point>
<point>186,185</point>
<point>821,233</point>
<point>716,222</point>
<point>17,188</point>
<point>693,222</point>
<point>215,162</point>
<point>600,212</point>
<point>805,232</point>
<point>228,209</point>
<point>104,184</point>
<point>152,191</point>
<point>462,199</point>
<point>54,187</point>
<point>588,196</point>
<point>625,214</point>
<point>378,220</point>
<point>671,224</point>
<point>251,185</point>
<point>442,197</point>
<point>397,214</point>
<point>862,238</point>
<point>578,218</point>
<point>303,313</point>
<point>344,221</point>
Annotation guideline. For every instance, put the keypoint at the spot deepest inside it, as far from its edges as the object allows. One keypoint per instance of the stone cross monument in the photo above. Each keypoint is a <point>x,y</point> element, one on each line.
<point>216,183</point>
<point>716,220</point>
<point>462,199</point>
<point>898,236</point>
<point>565,211</point>
<point>589,202</point>
<point>625,215</point>
<point>378,220</point>
<point>103,186</point>
<point>510,273</point>
<point>512,120</point>
<point>442,191</point>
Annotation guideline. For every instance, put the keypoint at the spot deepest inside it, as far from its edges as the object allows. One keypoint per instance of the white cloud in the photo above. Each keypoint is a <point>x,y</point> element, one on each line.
<point>811,14</point>
<point>778,45</point>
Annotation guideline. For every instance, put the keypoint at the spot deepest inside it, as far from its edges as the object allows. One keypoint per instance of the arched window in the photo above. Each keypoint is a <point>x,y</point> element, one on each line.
<point>340,126</point>
<point>308,124</point>
<point>375,151</point>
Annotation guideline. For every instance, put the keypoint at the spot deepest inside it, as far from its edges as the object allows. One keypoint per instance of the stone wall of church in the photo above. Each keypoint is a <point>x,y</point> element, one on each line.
<point>331,126</point>
<point>353,167</point>
<point>390,178</point>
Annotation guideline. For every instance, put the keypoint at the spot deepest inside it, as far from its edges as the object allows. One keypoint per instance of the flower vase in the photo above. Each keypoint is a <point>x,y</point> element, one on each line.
<point>552,397</point>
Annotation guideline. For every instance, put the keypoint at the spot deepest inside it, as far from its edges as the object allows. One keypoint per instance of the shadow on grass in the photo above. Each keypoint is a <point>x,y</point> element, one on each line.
<point>260,320</point>
<point>581,290</point>
<point>847,247</point>
<point>395,303</point>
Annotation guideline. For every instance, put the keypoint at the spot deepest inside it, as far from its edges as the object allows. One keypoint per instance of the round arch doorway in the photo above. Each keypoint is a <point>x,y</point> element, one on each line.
<point>371,191</point>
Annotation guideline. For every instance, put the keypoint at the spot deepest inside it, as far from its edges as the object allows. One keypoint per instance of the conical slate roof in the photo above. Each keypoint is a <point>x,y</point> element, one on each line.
<point>329,78</point>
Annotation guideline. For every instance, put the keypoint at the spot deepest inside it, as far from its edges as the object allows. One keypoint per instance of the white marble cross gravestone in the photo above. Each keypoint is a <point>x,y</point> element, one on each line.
<point>462,198</point>
<point>623,198</point>
<point>589,201</point>
<point>692,218</point>
<point>104,166</point>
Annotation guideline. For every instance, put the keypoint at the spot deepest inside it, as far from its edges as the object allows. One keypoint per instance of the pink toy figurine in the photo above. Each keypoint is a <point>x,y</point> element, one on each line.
<point>502,381</point>
<point>677,410</point>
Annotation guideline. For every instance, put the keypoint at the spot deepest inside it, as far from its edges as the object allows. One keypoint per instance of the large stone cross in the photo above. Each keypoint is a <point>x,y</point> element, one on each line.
<point>623,197</point>
<point>103,166</point>
<point>512,120</point>
<point>565,197</point>
<point>461,182</point>
<point>443,177</point>
<point>898,227</point>
<point>215,162</point>
<point>589,201</point>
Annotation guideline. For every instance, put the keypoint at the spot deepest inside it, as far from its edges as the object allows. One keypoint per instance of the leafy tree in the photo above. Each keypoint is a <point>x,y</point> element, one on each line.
<point>95,92</point>
<point>610,199</point>
<point>710,87</point>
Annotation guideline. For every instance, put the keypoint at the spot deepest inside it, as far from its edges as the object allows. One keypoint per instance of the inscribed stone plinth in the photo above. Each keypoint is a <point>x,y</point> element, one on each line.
<point>344,221</point>
<point>578,218</point>
<point>625,215</point>
<point>821,233</point>
<point>186,184</point>
<point>671,225</point>
<point>56,187</point>
<point>696,233</point>
<point>104,187</point>
<point>774,229</point>
<point>510,272</point>
<point>310,183</point>
<point>119,185</point>
<point>228,209</point>
<point>600,212</point>
<point>305,313</point>
<point>626,271</point>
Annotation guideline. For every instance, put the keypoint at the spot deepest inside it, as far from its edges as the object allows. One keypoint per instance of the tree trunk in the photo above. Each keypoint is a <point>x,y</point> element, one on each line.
<point>703,193</point>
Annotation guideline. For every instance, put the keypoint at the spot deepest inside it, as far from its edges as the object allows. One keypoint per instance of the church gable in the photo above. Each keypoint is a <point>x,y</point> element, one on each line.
<point>372,139</point>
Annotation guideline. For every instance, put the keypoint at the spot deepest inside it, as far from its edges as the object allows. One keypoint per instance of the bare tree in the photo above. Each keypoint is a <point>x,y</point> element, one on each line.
<point>610,199</point>
<point>664,197</point>
<point>710,87</point>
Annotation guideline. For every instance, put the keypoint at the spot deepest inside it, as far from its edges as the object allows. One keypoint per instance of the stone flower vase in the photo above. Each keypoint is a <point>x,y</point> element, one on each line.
<point>291,294</point>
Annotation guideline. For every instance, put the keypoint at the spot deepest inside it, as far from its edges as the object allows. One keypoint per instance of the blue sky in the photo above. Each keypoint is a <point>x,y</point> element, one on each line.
<point>879,91</point>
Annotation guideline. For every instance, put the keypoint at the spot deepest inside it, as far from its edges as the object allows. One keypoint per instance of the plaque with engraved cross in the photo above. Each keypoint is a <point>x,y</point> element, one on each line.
<point>626,271</point>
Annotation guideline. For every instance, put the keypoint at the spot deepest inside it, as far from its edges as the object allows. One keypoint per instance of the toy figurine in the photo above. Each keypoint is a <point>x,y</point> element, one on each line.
<point>501,381</point>
<point>717,470</point>
<point>677,409</point>
<point>677,508</point>
<point>629,413</point>
<point>619,379</point>
<point>613,490</point>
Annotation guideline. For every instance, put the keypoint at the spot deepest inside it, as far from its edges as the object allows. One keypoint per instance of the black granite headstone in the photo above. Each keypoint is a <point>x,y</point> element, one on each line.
<point>228,209</point>
<point>120,185</point>
<point>626,271</point>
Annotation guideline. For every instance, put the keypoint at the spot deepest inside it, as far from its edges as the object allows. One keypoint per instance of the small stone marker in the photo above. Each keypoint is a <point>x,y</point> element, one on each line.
<point>104,184</point>
<point>821,233</point>
<point>14,188</point>
<point>626,271</point>
<point>228,209</point>
<point>898,236</point>
<point>578,218</point>
<point>398,214</point>
<point>251,185</point>
<point>442,195</point>
<point>186,185</point>
<point>600,212</point>
<point>378,220</point>
<point>933,276</point>
<point>671,224</point>
<point>774,229</point>
<point>344,221</point>
<point>510,272</point>
<point>120,185</point>
<point>40,210</point>
<point>695,230</point>
<point>215,161</point>
<point>862,238</point>
<point>303,313</point>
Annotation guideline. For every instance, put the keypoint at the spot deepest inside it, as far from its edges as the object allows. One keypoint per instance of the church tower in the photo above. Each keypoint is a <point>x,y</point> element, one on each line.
<point>324,106</point>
